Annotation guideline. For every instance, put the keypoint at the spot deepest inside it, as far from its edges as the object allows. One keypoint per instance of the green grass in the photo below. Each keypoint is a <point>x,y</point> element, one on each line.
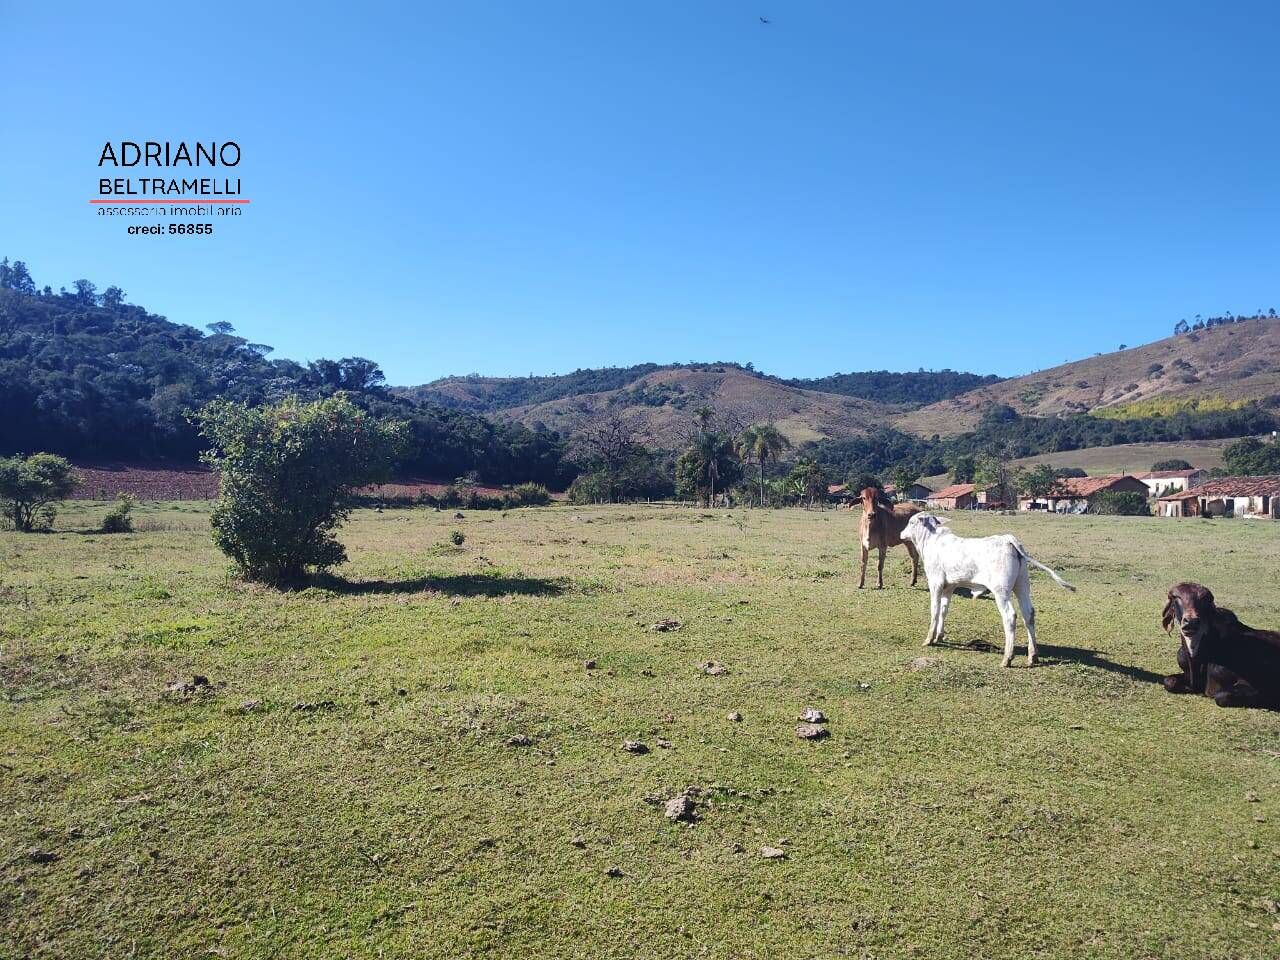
<point>1069,810</point>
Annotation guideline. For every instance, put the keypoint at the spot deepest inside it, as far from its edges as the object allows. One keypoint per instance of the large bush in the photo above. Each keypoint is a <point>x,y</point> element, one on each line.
<point>527,495</point>
<point>287,476</point>
<point>29,487</point>
<point>1126,503</point>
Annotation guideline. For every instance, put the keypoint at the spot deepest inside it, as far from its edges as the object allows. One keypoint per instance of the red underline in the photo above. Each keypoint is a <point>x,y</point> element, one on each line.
<point>193,200</point>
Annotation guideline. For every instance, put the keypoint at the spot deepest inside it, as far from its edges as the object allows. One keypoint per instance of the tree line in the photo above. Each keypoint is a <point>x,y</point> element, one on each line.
<point>88,375</point>
<point>1201,323</point>
<point>1004,432</point>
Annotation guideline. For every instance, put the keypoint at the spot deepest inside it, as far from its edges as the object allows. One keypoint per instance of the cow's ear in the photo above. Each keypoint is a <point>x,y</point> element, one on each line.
<point>1170,615</point>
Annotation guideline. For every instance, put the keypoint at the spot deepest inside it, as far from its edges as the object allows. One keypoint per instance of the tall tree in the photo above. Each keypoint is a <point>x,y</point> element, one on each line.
<point>612,447</point>
<point>903,477</point>
<point>993,474</point>
<point>762,442</point>
<point>1038,481</point>
<point>709,464</point>
<point>807,481</point>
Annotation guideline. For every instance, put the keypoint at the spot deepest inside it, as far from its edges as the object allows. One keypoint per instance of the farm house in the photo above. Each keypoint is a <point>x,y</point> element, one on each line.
<point>840,493</point>
<point>1074,494</point>
<point>1254,497</point>
<point>1162,482</point>
<point>916,491</point>
<point>958,496</point>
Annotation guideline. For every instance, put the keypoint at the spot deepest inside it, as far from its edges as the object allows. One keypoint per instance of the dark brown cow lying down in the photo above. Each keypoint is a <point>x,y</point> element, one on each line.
<point>1220,657</point>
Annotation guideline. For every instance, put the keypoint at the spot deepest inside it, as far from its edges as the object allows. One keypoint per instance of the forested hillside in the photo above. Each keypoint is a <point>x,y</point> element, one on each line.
<point>89,375</point>
<point>912,389</point>
<point>1229,361</point>
<point>491,394</point>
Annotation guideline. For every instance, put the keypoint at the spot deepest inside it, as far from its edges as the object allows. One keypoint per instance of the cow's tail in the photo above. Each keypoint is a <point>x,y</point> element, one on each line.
<point>1036,563</point>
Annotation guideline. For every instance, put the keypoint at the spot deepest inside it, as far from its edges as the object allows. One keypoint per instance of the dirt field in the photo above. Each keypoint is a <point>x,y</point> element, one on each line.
<point>416,758</point>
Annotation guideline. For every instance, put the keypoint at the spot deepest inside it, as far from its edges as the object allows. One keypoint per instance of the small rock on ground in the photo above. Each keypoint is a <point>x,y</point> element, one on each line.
<point>813,716</point>
<point>634,746</point>
<point>519,740</point>
<point>666,625</point>
<point>773,853</point>
<point>735,717</point>
<point>679,808</point>
<point>712,668</point>
<point>184,687</point>
<point>925,663</point>
<point>811,731</point>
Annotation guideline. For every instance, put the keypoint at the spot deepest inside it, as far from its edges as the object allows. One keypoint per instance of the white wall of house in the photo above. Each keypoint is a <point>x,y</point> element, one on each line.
<point>1167,485</point>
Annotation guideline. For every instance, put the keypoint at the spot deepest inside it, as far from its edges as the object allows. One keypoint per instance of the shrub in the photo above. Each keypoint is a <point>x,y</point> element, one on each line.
<point>119,519</point>
<point>527,495</point>
<point>1174,464</point>
<point>29,487</point>
<point>1125,503</point>
<point>457,538</point>
<point>288,473</point>
<point>590,488</point>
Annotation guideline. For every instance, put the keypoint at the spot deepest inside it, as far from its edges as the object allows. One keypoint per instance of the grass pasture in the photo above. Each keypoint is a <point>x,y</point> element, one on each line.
<point>345,786</point>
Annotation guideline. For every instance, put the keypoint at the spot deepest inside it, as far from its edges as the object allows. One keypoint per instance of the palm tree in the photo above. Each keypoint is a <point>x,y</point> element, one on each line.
<point>704,415</point>
<point>761,443</point>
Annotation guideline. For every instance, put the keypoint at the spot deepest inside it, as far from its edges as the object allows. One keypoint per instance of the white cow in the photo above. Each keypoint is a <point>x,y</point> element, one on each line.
<point>1000,564</point>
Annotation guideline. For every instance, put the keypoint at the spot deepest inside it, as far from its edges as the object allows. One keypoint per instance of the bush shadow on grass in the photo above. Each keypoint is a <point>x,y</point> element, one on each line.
<point>454,584</point>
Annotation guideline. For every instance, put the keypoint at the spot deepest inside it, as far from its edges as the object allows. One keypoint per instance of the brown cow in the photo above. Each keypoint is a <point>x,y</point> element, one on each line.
<point>1220,657</point>
<point>881,527</point>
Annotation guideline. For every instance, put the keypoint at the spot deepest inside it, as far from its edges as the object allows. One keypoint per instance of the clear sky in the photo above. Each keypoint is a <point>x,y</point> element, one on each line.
<point>525,187</point>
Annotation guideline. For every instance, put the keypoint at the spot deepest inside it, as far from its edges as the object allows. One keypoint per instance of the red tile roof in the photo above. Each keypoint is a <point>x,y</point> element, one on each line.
<point>1263,486</point>
<point>955,490</point>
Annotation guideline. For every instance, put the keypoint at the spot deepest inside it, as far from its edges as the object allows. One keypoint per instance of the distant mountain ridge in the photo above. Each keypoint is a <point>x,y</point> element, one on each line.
<point>481,394</point>
<point>659,399</point>
<point>1221,366</point>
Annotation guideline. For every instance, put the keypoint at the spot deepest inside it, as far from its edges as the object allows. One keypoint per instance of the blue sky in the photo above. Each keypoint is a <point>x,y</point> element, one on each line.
<point>510,188</point>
